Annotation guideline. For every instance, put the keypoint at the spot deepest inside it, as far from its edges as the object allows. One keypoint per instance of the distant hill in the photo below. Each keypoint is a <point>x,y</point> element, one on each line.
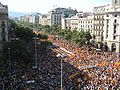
<point>16,14</point>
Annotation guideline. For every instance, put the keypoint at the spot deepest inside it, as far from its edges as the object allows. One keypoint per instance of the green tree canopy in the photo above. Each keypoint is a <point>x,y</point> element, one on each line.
<point>18,51</point>
<point>24,33</point>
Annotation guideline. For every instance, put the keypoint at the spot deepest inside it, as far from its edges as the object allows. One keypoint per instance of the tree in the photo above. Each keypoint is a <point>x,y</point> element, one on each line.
<point>18,52</point>
<point>24,33</point>
<point>61,33</point>
<point>47,29</point>
<point>40,36</point>
<point>82,34</point>
<point>88,36</point>
<point>55,29</point>
<point>68,35</point>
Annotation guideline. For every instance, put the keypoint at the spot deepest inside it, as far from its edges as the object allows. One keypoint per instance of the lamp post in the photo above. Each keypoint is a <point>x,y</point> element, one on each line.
<point>9,60</point>
<point>35,38</point>
<point>35,52</point>
<point>61,79</point>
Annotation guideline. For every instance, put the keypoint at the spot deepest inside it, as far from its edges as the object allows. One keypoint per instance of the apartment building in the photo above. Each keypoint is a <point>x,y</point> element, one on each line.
<point>24,18</point>
<point>34,17</point>
<point>81,21</point>
<point>55,16</point>
<point>86,23</point>
<point>74,22</point>
<point>112,26</point>
<point>99,13</point>
<point>70,22</point>
<point>31,18</point>
<point>3,24</point>
<point>43,19</point>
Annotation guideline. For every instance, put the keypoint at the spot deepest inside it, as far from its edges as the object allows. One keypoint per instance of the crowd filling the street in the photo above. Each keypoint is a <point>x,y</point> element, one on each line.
<point>102,68</point>
<point>87,69</point>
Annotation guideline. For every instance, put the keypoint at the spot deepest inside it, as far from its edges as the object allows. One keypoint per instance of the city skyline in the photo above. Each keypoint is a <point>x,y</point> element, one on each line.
<point>43,6</point>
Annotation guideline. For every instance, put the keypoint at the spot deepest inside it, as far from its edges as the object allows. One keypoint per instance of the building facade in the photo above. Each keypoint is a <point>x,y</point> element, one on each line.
<point>31,18</point>
<point>87,23</point>
<point>99,13</point>
<point>112,26</point>
<point>81,21</point>
<point>3,24</point>
<point>74,21</point>
<point>55,16</point>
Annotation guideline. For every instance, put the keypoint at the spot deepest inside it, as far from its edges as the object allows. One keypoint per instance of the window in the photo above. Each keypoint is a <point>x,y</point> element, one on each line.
<point>88,26</point>
<point>115,15</point>
<point>106,36</point>
<point>115,21</point>
<point>107,21</point>
<point>99,22</point>
<point>114,31</point>
<point>98,33</point>
<point>116,2</point>
<point>114,37</point>
<point>107,15</point>
<point>99,28</point>
<point>115,27</point>
<point>2,24</point>
<point>3,30</point>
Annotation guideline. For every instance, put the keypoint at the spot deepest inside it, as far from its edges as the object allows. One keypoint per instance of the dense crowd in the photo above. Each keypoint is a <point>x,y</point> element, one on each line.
<point>46,77</point>
<point>78,73</point>
<point>103,68</point>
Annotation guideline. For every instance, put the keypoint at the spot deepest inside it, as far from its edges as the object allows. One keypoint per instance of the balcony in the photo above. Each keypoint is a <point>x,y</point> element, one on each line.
<point>3,26</point>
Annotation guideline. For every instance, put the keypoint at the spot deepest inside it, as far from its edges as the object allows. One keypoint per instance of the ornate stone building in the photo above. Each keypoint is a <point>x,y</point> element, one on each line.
<point>3,24</point>
<point>112,26</point>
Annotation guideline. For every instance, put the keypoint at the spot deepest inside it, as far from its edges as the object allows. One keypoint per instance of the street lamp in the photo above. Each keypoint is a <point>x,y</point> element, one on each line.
<point>9,60</point>
<point>35,38</point>
<point>36,52</point>
<point>61,58</point>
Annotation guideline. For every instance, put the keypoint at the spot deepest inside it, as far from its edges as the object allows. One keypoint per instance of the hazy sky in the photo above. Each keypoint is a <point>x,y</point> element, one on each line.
<point>43,6</point>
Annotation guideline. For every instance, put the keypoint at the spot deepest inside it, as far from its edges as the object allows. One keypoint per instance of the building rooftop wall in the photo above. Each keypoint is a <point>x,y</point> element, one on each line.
<point>3,8</point>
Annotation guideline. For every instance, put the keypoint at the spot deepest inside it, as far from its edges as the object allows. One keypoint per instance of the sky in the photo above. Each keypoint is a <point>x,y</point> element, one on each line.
<point>43,6</point>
